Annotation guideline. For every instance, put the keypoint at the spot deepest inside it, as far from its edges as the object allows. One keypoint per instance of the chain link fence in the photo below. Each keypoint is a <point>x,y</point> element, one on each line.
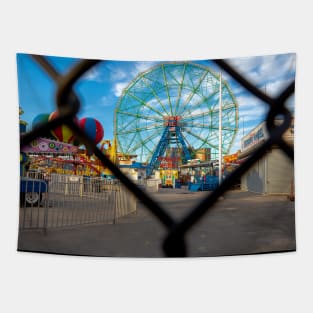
<point>174,245</point>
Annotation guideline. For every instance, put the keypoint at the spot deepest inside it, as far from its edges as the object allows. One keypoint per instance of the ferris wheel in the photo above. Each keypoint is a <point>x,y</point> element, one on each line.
<point>177,104</point>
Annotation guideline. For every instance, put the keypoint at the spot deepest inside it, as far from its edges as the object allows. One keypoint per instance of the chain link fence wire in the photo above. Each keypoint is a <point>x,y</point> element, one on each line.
<point>174,245</point>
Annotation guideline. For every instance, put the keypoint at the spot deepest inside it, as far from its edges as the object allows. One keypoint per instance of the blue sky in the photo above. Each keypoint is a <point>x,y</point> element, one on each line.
<point>101,87</point>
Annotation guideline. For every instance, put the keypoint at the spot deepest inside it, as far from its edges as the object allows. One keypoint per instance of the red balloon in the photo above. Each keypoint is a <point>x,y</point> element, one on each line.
<point>92,128</point>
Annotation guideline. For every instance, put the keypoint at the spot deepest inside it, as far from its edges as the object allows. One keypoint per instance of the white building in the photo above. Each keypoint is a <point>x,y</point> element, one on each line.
<point>274,173</point>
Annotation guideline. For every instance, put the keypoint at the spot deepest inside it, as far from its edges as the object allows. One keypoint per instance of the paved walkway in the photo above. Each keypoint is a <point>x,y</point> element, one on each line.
<point>240,223</point>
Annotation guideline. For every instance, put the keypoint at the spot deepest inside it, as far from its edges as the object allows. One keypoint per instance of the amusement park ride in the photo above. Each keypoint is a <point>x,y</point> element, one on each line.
<point>58,154</point>
<point>167,116</point>
<point>172,111</point>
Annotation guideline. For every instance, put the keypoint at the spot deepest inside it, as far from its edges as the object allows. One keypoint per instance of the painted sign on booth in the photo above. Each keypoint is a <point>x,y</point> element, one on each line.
<point>231,157</point>
<point>260,133</point>
<point>257,135</point>
<point>44,145</point>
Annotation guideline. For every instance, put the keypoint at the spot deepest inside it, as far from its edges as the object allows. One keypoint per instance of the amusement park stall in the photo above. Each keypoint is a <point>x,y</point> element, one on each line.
<point>199,176</point>
<point>274,173</point>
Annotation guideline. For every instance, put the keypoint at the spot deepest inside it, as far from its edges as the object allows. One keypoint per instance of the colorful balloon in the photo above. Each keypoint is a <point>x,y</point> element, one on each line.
<point>40,119</point>
<point>61,133</point>
<point>92,128</point>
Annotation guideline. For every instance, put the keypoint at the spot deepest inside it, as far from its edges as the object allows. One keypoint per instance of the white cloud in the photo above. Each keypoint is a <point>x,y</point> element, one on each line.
<point>253,115</point>
<point>106,102</point>
<point>118,75</point>
<point>197,111</point>
<point>247,100</point>
<point>154,101</point>
<point>118,88</point>
<point>276,67</point>
<point>237,89</point>
<point>93,75</point>
<point>274,88</point>
<point>268,68</point>
<point>251,108</point>
<point>247,64</point>
<point>140,67</point>
<point>124,77</point>
<point>236,144</point>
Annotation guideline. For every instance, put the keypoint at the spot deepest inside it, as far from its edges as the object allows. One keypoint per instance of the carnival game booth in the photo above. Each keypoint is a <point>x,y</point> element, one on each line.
<point>134,170</point>
<point>199,176</point>
<point>274,173</point>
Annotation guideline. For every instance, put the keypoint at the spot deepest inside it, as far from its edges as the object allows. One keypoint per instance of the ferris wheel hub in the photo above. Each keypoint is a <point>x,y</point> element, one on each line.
<point>172,121</point>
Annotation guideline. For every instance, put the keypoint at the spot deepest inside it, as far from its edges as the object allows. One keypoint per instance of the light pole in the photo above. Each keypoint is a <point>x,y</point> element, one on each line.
<point>220,133</point>
<point>243,125</point>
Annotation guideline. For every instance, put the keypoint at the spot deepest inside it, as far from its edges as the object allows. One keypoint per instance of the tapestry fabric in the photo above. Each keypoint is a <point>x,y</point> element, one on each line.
<point>156,158</point>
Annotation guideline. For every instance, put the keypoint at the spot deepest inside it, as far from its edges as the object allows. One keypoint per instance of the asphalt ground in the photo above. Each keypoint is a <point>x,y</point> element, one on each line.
<point>239,223</point>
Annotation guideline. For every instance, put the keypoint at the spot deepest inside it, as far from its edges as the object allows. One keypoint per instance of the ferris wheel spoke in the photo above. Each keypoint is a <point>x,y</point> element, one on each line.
<point>201,101</point>
<point>224,128</point>
<point>146,117</point>
<point>144,103</point>
<point>130,142</point>
<point>202,140</point>
<point>206,99</point>
<point>224,108</point>
<point>150,139</point>
<point>195,135</point>
<point>180,89</point>
<point>199,125</point>
<point>213,146</point>
<point>146,145</point>
<point>194,90</point>
<point>203,144</point>
<point>170,73</point>
<point>140,129</point>
<point>206,113</point>
<point>124,126</point>
<point>166,88</point>
<point>204,126</point>
<point>195,116</point>
<point>143,142</point>
<point>156,97</point>
<point>121,146</point>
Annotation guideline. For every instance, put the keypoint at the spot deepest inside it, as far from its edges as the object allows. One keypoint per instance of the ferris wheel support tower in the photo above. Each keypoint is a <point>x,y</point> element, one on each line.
<point>172,132</point>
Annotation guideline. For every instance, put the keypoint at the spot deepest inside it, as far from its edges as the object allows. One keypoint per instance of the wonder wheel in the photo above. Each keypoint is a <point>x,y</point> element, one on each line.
<point>175,107</point>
